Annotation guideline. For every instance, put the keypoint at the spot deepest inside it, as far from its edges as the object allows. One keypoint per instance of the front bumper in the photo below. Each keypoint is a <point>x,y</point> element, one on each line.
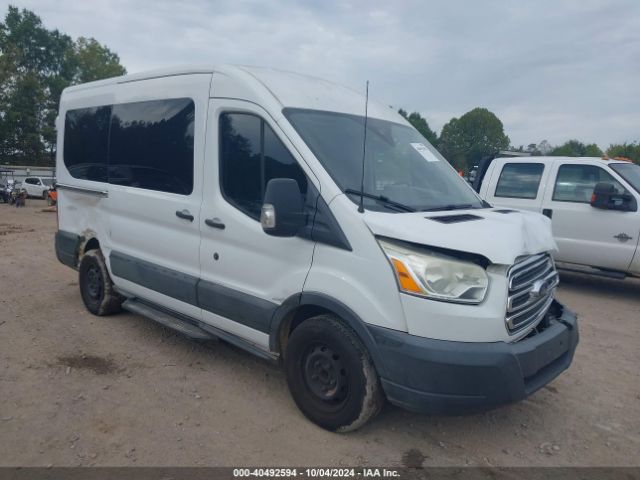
<point>444,377</point>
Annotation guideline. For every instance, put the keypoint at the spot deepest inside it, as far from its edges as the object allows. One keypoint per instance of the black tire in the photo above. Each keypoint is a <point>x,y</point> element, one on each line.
<point>45,194</point>
<point>96,287</point>
<point>331,376</point>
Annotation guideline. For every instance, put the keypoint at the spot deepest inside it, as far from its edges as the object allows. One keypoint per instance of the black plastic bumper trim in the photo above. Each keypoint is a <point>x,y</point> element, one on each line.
<point>67,246</point>
<point>444,377</point>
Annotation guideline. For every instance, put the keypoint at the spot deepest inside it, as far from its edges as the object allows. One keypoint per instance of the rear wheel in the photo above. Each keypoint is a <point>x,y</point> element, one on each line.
<point>331,376</point>
<point>96,287</point>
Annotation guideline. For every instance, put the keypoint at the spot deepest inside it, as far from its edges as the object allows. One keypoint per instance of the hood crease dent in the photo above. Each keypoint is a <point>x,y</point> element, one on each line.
<point>501,238</point>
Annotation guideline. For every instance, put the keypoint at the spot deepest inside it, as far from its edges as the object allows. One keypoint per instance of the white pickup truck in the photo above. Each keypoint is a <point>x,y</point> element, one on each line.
<point>592,204</point>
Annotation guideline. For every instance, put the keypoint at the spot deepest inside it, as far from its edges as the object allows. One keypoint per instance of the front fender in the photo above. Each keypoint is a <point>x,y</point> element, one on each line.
<point>315,299</point>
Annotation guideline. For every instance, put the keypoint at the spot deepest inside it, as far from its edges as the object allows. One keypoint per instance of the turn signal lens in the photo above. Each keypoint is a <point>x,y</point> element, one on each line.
<point>406,281</point>
<point>268,216</point>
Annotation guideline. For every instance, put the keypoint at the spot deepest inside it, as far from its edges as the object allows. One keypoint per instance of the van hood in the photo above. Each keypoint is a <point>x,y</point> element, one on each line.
<point>501,235</point>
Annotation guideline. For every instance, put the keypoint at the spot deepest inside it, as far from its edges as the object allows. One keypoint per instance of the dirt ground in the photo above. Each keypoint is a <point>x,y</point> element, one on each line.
<point>81,390</point>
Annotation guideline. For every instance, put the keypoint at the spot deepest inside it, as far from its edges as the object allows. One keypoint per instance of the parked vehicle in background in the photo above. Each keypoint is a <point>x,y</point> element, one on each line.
<point>6,184</point>
<point>474,173</point>
<point>471,176</point>
<point>11,191</point>
<point>37,186</point>
<point>199,198</point>
<point>18,196</point>
<point>592,204</point>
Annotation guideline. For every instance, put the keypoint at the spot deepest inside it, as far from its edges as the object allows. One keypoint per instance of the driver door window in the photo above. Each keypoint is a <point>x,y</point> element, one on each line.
<point>575,183</point>
<point>250,155</point>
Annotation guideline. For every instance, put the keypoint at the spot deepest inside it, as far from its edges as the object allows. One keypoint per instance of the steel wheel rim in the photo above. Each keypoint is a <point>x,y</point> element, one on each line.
<point>325,375</point>
<point>95,285</point>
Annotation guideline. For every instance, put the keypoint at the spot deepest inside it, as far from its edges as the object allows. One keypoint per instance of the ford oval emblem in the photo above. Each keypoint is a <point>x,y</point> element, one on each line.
<point>539,289</point>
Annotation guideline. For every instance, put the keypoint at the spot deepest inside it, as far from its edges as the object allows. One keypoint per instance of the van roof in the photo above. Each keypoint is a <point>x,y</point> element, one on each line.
<point>146,75</point>
<point>289,89</point>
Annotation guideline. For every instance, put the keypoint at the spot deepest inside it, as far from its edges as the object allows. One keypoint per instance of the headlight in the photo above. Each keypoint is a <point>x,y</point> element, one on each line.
<point>436,276</point>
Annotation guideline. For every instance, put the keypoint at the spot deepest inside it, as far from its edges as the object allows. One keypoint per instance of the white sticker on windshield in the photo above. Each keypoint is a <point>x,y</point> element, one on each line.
<point>422,149</point>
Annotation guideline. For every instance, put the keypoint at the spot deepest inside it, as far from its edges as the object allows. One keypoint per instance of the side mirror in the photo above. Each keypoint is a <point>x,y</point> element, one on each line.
<point>602,193</point>
<point>605,197</point>
<point>282,211</point>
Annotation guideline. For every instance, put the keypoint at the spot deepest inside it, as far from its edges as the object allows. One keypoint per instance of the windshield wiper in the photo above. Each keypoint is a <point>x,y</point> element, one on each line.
<point>382,199</point>
<point>459,206</point>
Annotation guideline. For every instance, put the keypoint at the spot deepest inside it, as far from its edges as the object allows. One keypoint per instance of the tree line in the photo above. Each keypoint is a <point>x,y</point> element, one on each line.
<point>36,64</point>
<point>478,133</point>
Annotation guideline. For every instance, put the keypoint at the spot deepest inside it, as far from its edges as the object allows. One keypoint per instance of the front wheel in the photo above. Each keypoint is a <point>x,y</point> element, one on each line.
<point>45,194</point>
<point>96,287</point>
<point>331,376</point>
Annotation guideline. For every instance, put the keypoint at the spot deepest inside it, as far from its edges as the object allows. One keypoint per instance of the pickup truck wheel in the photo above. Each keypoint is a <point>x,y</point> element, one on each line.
<point>331,376</point>
<point>96,287</point>
<point>45,194</point>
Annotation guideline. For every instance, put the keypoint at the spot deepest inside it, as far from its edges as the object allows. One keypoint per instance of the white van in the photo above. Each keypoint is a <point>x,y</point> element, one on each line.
<point>592,204</point>
<point>226,202</point>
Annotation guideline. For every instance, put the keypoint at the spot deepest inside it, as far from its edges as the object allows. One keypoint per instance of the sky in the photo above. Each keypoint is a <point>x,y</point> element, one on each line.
<point>549,69</point>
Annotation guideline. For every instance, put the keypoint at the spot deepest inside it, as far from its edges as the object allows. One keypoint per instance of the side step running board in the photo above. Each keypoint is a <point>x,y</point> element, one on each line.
<point>193,328</point>
<point>166,319</point>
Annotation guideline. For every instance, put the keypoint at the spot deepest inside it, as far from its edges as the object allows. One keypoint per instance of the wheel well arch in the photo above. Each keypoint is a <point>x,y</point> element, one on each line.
<point>91,244</point>
<point>300,307</point>
<point>86,242</point>
<point>292,319</point>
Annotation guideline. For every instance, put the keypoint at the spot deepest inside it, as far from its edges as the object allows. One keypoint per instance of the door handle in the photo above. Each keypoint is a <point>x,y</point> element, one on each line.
<point>623,237</point>
<point>184,214</point>
<point>215,223</point>
<point>547,212</point>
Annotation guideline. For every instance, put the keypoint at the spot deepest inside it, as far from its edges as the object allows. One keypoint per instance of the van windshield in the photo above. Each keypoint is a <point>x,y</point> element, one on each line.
<point>630,172</point>
<point>401,167</point>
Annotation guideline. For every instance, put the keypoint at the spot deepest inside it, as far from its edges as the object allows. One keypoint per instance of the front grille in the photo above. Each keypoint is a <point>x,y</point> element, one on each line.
<point>532,283</point>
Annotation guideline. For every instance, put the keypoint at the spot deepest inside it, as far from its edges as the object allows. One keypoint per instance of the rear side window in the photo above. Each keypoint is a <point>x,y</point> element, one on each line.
<point>151,145</point>
<point>575,183</point>
<point>250,155</point>
<point>519,180</point>
<point>86,135</point>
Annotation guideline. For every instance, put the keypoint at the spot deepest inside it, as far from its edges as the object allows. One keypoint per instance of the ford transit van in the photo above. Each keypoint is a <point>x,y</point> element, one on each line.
<point>246,204</point>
